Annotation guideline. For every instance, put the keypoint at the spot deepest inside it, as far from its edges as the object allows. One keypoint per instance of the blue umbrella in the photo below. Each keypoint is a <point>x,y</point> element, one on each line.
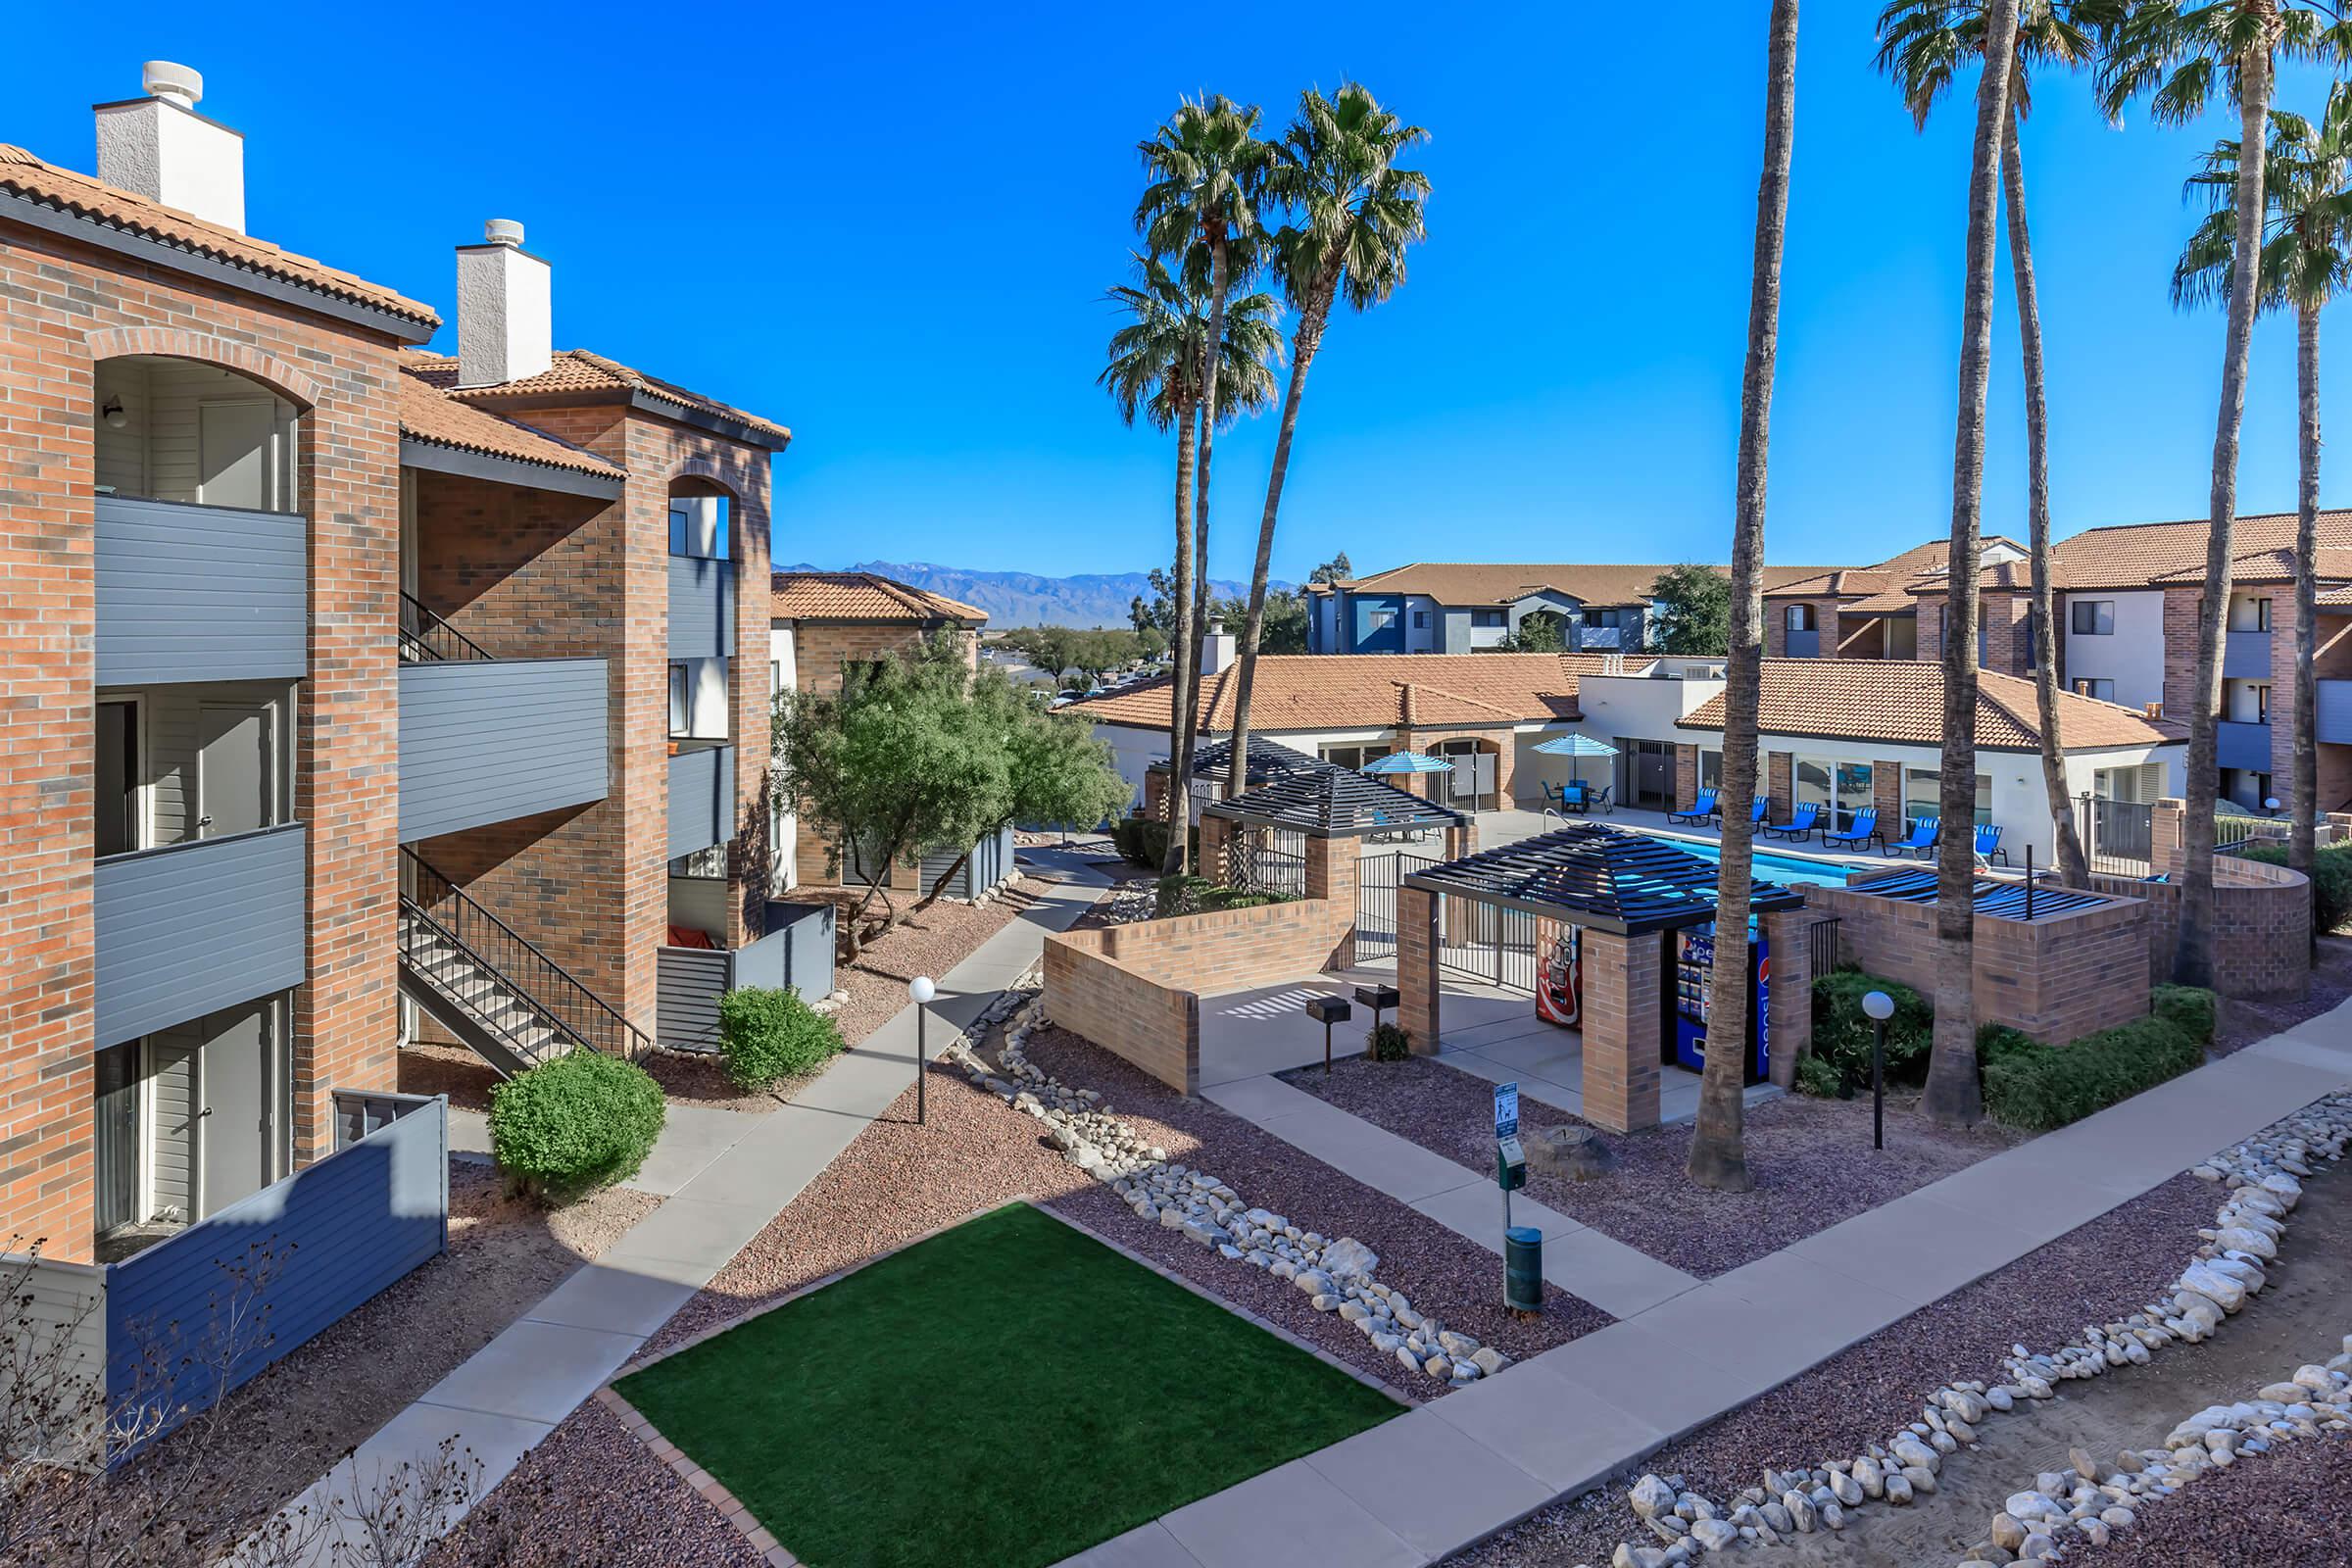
<point>1577,748</point>
<point>1408,763</point>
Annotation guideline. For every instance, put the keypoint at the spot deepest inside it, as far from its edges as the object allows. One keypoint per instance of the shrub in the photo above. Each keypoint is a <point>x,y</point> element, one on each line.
<point>2330,881</point>
<point>2188,1009</point>
<point>1387,1042</point>
<point>769,1035</point>
<point>2040,1087</point>
<point>1818,1078</point>
<point>1841,1030</point>
<point>575,1124</point>
<point>1143,841</point>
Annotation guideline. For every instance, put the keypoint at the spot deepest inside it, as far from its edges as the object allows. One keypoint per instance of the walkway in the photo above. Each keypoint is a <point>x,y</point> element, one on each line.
<point>720,1192</point>
<point>1435,1480</point>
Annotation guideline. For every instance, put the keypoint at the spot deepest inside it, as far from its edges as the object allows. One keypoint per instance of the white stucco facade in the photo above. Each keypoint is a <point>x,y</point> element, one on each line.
<point>2131,655</point>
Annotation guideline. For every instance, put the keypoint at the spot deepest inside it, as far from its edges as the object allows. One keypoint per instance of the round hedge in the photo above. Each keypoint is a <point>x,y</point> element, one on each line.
<point>577,1123</point>
<point>766,1035</point>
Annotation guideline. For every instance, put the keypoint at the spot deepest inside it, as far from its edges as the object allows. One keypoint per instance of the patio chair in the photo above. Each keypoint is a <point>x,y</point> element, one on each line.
<point>1864,831</point>
<point>1550,792</point>
<point>1574,797</point>
<point>1988,844</point>
<point>1701,809</point>
<point>1800,823</point>
<point>1609,807</point>
<point>1924,832</point>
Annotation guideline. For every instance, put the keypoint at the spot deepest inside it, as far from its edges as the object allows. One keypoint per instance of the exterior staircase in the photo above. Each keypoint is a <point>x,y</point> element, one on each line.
<point>488,986</point>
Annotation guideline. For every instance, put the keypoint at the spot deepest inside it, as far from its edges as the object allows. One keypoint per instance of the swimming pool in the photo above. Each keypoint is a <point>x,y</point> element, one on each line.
<point>1787,871</point>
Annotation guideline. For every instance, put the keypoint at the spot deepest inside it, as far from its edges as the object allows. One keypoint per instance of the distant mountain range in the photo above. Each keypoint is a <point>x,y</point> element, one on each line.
<point>1024,599</point>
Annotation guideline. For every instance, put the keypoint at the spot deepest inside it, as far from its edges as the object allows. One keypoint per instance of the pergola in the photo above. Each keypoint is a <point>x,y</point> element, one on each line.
<point>1334,803</point>
<point>1626,892</point>
<point>1297,835</point>
<point>1269,760</point>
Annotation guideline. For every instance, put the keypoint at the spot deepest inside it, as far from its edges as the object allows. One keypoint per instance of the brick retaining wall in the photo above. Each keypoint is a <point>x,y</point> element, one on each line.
<point>2261,916</point>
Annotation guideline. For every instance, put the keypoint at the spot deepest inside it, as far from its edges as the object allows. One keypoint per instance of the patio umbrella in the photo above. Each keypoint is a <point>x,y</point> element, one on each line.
<point>1576,747</point>
<point>1408,763</point>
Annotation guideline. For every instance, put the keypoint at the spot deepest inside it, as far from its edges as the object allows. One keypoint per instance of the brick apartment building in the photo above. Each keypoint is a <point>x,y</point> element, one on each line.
<point>337,676</point>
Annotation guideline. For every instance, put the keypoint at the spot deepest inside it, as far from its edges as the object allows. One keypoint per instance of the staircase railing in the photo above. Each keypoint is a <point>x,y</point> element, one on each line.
<point>442,908</point>
<point>426,639</point>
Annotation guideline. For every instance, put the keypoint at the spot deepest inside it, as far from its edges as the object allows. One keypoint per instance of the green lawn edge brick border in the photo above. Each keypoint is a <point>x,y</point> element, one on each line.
<point>757,1536</point>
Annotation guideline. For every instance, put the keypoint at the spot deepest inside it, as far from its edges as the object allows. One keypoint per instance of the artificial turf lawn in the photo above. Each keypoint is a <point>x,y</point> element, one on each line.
<point>1010,1392</point>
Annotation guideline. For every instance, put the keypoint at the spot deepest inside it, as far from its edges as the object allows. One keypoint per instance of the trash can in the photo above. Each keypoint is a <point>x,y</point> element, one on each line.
<point>1522,1268</point>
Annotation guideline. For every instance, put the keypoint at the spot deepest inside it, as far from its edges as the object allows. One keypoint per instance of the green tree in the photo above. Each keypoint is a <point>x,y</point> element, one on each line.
<point>1353,213</point>
<point>2306,260</point>
<point>1718,1143</point>
<point>1337,570</point>
<point>1691,611</point>
<point>1281,628</point>
<point>1139,615</point>
<point>1922,45</point>
<point>2175,55</point>
<point>1539,631</point>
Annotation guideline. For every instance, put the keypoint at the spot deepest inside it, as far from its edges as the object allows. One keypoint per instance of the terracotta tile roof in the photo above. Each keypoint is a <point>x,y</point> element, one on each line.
<point>861,596</point>
<point>46,182</point>
<point>1474,582</point>
<point>2136,554</point>
<point>2332,562</point>
<point>580,371</point>
<point>1884,587</point>
<point>1377,691</point>
<point>430,414</point>
<point>1901,702</point>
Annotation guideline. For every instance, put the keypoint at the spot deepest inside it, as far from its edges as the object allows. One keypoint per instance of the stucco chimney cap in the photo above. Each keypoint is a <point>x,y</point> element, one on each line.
<point>173,82</point>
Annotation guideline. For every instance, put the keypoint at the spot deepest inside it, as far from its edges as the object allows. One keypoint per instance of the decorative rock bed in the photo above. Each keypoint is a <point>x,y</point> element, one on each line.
<point>1335,1275</point>
<point>2263,1179</point>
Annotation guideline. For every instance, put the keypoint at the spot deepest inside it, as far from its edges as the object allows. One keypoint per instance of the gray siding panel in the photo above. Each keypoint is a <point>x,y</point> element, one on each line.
<point>701,799</point>
<point>702,607</point>
<point>797,951</point>
<point>200,593</point>
<point>335,1233</point>
<point>2247,655</point>
<point>2335,726</point>
<point>56,1329</point>
<point>186,931</point>
<point>687,985</point>
<point>489,741</point>
<point>2243,745</point>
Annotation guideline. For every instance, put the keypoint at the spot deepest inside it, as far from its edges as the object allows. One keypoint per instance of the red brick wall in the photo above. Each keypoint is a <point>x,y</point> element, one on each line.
<point>2180,609</point>
<point>1685,776</point>
<point>2261,916</point>
<point>2007,619</point>
<point>1417,1008</point>
<point>1788,1008</point>
<point>821,648</point>
<point>1887,793</point>
<point>1779,783</point>
<point>1623,1023</point>
<point>67,308</point>
<point>1931,629</point>
<point>1776,625</point>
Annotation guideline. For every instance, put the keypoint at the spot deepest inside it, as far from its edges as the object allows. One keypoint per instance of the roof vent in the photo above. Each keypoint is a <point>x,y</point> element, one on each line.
<point>502,231</point>
<point>158,146</point>
<point>173,82</point>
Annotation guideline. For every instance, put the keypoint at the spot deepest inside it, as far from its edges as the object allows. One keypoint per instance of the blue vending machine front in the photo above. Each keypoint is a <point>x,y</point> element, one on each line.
<point>1694,971</point>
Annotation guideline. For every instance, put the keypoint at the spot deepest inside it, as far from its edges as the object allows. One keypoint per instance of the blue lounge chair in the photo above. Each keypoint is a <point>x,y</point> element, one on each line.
<point>1701,809</point>
<point>1798,826</point>
<point>1988,844</point>
<point>1756,817</point>
<point>1864,831</point>
<point>1924,832</point>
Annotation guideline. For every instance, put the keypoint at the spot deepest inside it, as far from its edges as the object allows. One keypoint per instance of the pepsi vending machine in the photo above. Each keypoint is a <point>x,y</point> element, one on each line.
<point>1694,971</point>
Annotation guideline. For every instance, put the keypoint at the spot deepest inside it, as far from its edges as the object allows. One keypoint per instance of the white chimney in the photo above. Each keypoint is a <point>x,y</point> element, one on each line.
<point>505,328</point>
<point>160,148</point>
<point>1217,649</point>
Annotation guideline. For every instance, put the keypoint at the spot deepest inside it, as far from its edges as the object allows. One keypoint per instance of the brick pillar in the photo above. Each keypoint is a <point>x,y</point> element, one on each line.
<point>1417,967</point>
<point>1789,1007</point>
<point>750,714</point>
<point>1825,617</point>
<point>1931,629</point>
<point>1887,793</point>
<point>1462,840</point>
<point>1624,981</point>
<point>1779,784</point>
<point>1154,805</point>
<point>1217,839</point>
<point>2165,825</point>
<point>1331,875</point>
<point>1776,629</point>
<point>1685,776</point>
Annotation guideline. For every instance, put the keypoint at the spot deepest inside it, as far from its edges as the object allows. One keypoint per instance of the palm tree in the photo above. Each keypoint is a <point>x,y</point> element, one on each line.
<point>1922,44</point>
<point>1953,1096</point>
<point>2174,53</point>
<point>1718,1144</point>
<point>1207,171</point>
<point>2306,260</point>
<point>1354,213</point>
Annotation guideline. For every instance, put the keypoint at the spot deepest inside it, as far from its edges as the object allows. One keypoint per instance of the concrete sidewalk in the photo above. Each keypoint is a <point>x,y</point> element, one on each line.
<point>1457,1469</point>
<point>721,1192</point>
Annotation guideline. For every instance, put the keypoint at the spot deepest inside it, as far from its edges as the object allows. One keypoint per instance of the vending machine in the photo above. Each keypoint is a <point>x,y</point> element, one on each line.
<point>1694,972</point>
<point>1559,974</point>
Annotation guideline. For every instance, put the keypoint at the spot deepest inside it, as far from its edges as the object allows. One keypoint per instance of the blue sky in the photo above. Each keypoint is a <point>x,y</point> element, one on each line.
<point>892,230</point>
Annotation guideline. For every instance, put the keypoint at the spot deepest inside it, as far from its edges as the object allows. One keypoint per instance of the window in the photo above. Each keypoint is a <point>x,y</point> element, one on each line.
<point>2262,614</point>
<point>681,700</point>
<point>1420,620</point>
<point>704,865</point>
<point>1799,617</point>
<point>2261,699</point>
<point>1490,617</point>
<point>1923,797</point>
<point>122,816</point>
<point>1812,781</point>
<point>2092,618</point>
<point>1356,759</point>
<point>1710,770</point>
<point>1380,620</point>
<point>2102,690</point>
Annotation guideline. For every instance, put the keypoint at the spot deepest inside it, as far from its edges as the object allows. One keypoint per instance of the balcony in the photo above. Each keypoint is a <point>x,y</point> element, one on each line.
<point>1804,645</point>
<point>188,929</point>
<point>702,607</point>
<point>2246,656</point>
<point>2335,726</point>
<point>488,740</point>
<point>702,796</point>
<point>189,592</point>
<point>2244,746</point>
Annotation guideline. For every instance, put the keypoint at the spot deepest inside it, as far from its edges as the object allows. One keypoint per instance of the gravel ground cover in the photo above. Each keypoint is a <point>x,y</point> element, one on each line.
<point>930,943</point>
<point>1811,1159</point>
<point>2107,1268</point>
<point>290,1425</point>
<point>2242,1023</point>
<point>2290,1506</point>
<point>792,1409</point>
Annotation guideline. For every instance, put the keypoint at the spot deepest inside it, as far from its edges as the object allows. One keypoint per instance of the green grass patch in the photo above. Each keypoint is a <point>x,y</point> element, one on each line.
<point>1010,1392</point>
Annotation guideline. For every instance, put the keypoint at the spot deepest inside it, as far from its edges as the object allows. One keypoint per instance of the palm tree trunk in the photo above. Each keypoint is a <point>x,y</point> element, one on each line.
<point>2304,793</point>
<point>2073,868</point>
<point>1718,1144</point>
<point>1953,1096</point>
<point>1184,678</point>
<point>2193,961</point>
<point>1303,348</point>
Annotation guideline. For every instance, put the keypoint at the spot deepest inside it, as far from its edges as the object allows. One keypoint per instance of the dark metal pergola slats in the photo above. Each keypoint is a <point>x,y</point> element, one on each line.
<point>2004,901</point>
<point>1602,877</point>
<point>1334,804</point>
<point>1269,760</point>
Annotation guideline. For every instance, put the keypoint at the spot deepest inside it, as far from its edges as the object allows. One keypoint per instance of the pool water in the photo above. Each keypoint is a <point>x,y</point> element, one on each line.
<point>1787,871</point>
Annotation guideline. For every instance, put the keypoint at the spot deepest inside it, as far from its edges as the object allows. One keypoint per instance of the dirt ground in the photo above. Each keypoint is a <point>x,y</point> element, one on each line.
<point>290,1425</point>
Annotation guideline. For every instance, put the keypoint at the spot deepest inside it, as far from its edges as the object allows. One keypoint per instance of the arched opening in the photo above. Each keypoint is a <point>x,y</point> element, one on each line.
<point>194,433</point>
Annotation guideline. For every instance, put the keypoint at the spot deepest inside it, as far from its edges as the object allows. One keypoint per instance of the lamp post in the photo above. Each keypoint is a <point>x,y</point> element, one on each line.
<point>1880,1007</point>
<point>922,991</point>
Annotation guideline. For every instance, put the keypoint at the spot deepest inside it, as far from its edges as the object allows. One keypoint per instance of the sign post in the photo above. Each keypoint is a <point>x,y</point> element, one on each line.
<point>1510,1161</point>
<point>1522,1249</point>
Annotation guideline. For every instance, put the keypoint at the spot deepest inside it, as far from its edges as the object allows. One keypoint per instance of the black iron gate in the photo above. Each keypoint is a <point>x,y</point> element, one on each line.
<point>1375,880</point>
<point>1267,860</point>
<point>2117,836</point>
<point>1486,942</point>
